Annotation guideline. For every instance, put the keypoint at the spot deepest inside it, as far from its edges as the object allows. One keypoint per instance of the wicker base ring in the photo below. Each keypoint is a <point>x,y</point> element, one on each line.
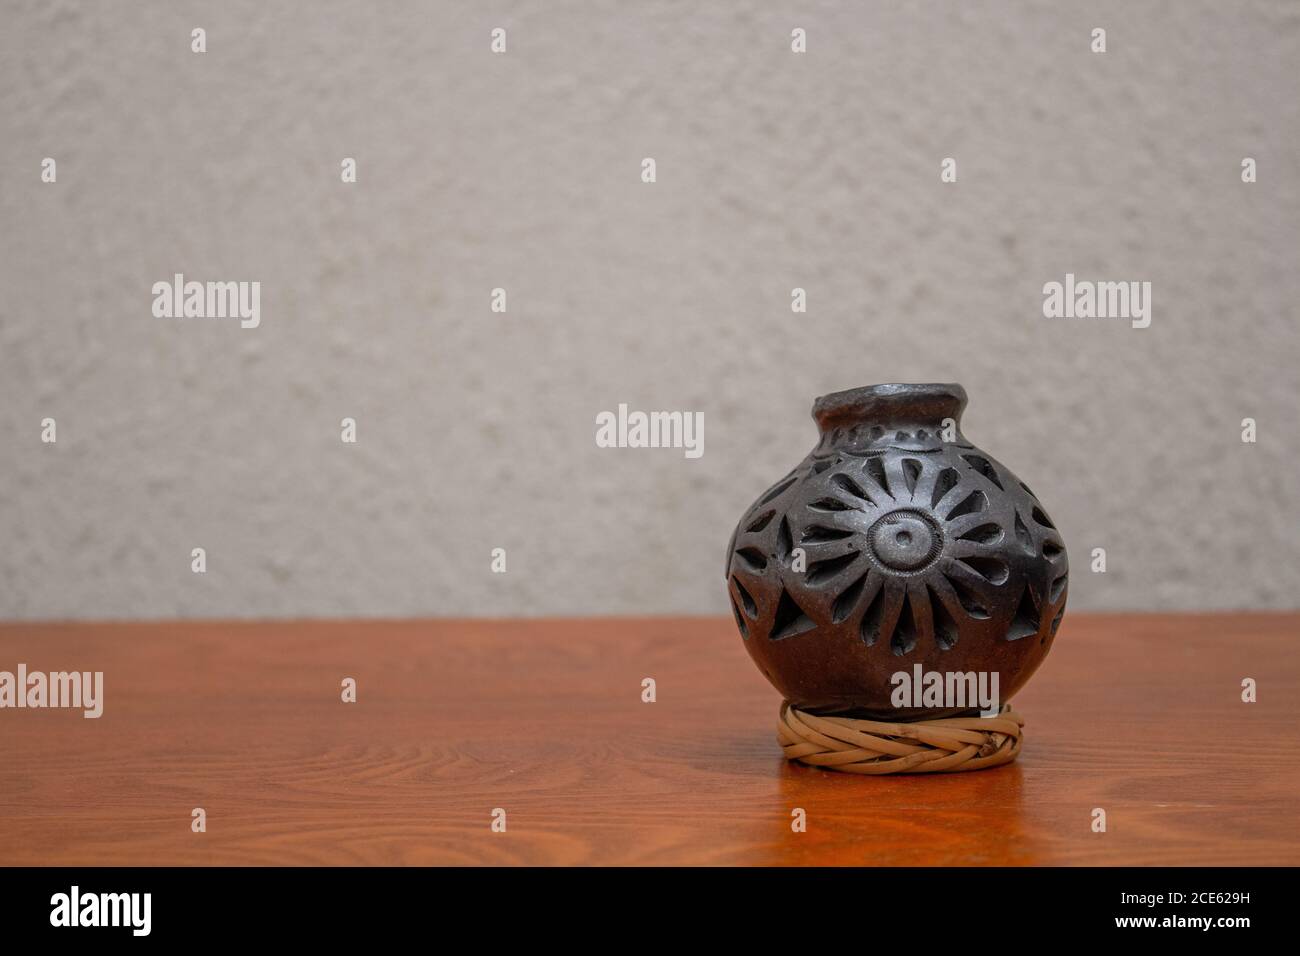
<point>852,745</point>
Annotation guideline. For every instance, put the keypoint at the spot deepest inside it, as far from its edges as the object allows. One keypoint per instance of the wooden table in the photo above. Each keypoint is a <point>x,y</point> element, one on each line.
<point>1138,714</point>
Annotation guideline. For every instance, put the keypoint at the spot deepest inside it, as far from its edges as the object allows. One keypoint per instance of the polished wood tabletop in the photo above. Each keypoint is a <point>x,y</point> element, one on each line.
<point>1138,715</point>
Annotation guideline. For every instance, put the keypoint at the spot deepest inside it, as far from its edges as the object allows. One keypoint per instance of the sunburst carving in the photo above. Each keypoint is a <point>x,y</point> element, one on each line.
<point>900,549</point>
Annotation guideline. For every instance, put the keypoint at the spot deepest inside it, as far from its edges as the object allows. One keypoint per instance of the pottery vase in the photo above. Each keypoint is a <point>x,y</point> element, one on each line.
<point>896,542</point>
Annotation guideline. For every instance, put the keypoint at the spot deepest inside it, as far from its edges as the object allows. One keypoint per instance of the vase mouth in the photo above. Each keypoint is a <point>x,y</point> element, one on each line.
<point>890,403</point>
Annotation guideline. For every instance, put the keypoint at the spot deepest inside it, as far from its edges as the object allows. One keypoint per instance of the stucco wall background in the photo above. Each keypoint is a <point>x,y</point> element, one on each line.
<point>522,171</point>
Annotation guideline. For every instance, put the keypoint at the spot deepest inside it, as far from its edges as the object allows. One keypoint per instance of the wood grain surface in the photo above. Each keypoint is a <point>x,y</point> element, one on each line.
<point>1138,714</point>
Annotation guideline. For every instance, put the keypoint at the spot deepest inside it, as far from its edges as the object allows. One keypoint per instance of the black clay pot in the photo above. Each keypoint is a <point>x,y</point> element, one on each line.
<point>896,542</point>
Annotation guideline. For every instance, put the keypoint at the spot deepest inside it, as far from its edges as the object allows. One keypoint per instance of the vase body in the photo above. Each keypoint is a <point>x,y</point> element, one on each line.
<point>895,543</point>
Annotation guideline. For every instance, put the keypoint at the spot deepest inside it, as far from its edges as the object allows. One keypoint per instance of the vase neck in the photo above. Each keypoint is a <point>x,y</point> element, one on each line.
<point>890,412</point>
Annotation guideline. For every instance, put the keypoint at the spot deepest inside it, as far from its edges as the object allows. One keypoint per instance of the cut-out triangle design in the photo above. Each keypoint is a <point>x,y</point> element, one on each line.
<point>790,618</point>
<point>1025,623</point>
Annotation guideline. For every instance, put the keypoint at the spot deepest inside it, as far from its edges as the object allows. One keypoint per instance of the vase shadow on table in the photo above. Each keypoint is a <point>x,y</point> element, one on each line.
<point>976,818</point>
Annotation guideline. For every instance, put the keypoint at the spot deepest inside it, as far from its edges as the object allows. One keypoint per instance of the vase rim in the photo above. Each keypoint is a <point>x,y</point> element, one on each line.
<point>895,401</point>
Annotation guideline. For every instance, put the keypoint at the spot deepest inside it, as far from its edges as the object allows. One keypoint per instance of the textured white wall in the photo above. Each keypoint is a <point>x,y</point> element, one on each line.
<point>775,170</point>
